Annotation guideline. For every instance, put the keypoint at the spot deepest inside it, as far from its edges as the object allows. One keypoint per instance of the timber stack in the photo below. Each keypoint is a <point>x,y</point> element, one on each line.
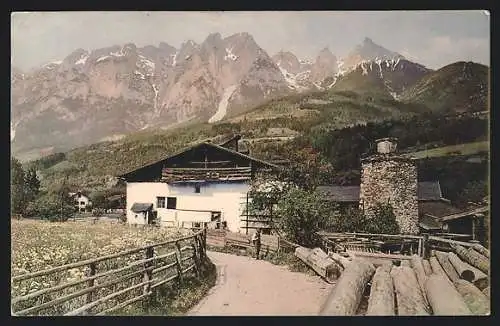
<point>445,283</point>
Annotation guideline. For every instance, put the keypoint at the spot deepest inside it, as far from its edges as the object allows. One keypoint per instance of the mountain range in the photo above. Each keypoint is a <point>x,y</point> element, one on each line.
<point>104,94</point>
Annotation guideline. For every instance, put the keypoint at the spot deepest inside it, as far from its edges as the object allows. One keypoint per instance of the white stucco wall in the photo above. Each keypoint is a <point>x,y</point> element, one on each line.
<point>224,197</point>
<point>82,199</point>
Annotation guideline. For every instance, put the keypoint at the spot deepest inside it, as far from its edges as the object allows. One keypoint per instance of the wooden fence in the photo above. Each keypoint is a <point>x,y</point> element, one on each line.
<point>111,282</point>
<point>220,238</point>
<point>411,244</point>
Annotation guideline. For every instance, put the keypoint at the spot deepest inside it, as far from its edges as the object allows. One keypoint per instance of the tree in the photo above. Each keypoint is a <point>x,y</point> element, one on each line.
<point>48,206</point>
<point>31,185</point>
<point>17,194</point>
<point>99,200</point>
<point>302,213</point>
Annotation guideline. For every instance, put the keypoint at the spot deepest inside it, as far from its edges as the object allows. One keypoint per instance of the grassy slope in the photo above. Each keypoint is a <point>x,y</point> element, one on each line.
<point>461,149</point>
<point>461,86</point>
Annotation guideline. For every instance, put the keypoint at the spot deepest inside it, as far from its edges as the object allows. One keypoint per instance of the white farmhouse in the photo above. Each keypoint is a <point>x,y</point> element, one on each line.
<point>204,185</point>
<point>81,201</point>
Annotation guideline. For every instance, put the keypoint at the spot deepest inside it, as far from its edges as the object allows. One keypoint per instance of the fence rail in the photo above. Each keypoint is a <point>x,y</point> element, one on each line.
<point>372,242</point>
<point>274,243</point>
<point>121,285</point>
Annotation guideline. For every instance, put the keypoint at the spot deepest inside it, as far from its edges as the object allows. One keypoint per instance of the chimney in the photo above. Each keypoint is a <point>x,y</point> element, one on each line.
<point>386,145</point>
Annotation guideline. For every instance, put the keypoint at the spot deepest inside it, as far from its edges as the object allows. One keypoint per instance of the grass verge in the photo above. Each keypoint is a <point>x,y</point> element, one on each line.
<point>174,299</point>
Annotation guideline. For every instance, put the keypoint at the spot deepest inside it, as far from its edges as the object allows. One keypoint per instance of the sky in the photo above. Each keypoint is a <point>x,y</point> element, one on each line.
<point>431,38</point>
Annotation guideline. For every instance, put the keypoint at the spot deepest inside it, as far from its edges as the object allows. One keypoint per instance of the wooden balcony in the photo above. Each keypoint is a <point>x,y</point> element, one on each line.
<point>175,175</point>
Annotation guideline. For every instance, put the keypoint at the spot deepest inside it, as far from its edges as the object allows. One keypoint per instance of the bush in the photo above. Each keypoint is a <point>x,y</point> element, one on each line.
<point>350,220</point>
<point>301,214</point>
<point>97,212</point>
<point>382,221</point>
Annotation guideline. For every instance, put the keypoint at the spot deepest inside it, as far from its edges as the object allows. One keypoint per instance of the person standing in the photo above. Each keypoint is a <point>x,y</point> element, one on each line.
<point>256,243</point>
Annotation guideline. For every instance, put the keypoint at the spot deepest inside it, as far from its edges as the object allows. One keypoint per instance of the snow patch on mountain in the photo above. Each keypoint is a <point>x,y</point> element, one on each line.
<point>157,108</point>
<point>222,108</point>
<point>293,80</point>
<point>333,83</point>
<point>146,64</point>
<point>230,55</point>
<point>103,58</point>
<point>82,59</point>
<point>118,53</point>
<point>364,67</point>
<point>52,64</point>
<point>341,68</point>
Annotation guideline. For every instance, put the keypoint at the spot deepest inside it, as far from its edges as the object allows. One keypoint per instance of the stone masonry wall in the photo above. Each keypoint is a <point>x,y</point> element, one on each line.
<point>391,179</point>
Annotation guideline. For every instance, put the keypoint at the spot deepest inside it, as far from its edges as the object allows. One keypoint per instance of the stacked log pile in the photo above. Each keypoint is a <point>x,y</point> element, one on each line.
<point>447,283</point>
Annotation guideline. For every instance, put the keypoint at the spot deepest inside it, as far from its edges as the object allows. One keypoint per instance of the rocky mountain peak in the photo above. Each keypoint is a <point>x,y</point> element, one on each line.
<point>368,41</point>
<point>368,50</point>
<point>324,66</point>
<point>166,47</point>
<point>288,61</point>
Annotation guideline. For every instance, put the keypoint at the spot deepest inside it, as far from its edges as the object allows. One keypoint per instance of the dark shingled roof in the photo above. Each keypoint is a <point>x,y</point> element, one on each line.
<point>141,207</point>
<point>427,191</point>
<point>340,193</point>
<point>428,223</point>
<point>437,208</point>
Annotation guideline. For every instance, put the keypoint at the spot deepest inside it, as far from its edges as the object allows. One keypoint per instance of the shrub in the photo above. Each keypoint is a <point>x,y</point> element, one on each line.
<point>383,220</point>
<point>301,214</point>
<point>350,220</point>
<point>96,212</point>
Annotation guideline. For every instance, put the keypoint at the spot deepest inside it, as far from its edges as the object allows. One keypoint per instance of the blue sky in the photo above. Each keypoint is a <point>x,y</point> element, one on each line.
<point>432,38</point>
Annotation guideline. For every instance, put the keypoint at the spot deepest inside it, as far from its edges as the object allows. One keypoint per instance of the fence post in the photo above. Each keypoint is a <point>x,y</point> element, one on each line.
<point>148,275</point>
<point>425,245</point>
<point>179,262</point>
<point>90,283</point>
<point>420,251</point>
<point>196,257</point>
<point>204,243</point>
<point>279,245</point>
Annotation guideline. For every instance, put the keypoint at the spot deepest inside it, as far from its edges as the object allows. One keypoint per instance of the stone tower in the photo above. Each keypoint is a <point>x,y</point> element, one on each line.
<point>387,177</point>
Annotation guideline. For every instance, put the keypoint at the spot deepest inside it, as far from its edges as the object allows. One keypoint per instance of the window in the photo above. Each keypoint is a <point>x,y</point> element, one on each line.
<point>160,202</point>
<point>197,189</point>
<point>171,202</point>
<point>82,203</point>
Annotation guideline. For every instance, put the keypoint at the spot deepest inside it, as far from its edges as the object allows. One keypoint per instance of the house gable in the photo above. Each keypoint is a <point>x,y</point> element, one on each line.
<point>199,157</point>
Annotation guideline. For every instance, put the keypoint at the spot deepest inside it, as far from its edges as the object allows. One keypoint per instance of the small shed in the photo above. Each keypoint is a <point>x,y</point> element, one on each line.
<point>144,211</point>
<point>468,222</point>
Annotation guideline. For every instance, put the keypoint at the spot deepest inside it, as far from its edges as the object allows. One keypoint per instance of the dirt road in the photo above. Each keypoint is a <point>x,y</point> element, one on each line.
<point>250,287</point>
